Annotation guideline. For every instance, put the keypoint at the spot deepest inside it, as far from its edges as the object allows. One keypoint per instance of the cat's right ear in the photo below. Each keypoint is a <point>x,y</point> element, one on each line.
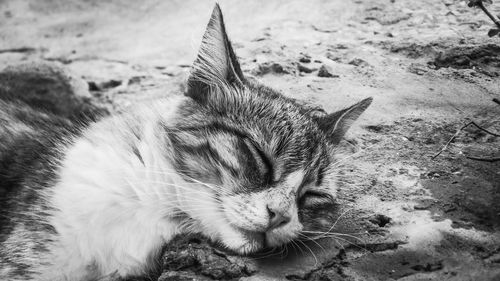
<point>216,65</point>
<point>336,124</point>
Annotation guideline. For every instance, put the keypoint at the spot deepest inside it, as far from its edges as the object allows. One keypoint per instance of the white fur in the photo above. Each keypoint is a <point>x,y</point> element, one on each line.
<point>112,211</point>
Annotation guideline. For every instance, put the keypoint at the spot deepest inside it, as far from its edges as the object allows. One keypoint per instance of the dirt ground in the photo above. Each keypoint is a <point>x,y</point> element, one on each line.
<point>429,65</point>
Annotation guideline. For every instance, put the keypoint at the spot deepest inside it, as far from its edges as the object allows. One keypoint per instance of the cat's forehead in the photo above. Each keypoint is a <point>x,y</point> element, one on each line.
<point>267,109</point>
<point>279,125</point>
<point>287,121</point>
<point>276,125</point>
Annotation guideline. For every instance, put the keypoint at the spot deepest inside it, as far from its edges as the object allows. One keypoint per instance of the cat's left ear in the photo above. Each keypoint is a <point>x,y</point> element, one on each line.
<point>216,65</point>
<point>336,124</point>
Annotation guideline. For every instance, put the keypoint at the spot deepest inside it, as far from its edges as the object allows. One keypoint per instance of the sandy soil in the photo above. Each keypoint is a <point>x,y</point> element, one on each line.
<point>428,64</point>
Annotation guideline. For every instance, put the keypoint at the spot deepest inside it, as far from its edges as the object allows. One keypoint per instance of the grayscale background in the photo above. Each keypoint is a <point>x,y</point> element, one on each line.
<point>429,65</point>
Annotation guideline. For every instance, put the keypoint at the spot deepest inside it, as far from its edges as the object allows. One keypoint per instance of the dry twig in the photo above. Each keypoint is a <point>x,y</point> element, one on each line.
<point>480,4</point>
<point>493,159</point>
<point>456,135</point>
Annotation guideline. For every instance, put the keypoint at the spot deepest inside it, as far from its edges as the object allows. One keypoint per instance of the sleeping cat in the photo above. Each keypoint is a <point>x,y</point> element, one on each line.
<point>232,159</point>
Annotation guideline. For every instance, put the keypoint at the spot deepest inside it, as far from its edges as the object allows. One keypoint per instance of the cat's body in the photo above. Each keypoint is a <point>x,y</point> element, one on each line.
<point>231,160</point>
<point>31,143</point>
<point>80,203</point>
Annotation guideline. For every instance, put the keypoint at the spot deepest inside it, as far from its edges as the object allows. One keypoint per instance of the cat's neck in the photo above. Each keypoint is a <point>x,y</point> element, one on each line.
<point>125,158</point>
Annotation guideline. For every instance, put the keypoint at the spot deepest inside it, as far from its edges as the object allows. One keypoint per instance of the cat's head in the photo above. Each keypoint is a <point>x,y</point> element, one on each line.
<point>256,155</point>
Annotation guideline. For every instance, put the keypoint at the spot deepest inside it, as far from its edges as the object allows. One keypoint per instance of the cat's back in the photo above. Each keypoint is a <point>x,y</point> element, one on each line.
<point>28,153</point>
<point>28,138</point>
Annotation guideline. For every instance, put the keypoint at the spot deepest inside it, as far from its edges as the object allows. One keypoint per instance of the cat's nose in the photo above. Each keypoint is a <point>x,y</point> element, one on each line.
<point>276,219</point>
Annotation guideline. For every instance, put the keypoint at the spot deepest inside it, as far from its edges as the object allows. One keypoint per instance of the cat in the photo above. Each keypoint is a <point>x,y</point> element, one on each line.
<point>231,159</point>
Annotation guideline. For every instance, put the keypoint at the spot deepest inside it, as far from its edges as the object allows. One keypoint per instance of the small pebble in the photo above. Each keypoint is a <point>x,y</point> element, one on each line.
<point>325,71</point>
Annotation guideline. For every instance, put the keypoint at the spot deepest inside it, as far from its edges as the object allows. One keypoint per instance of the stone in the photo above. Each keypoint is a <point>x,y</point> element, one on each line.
<point>358,62</point>
<point>304,69</point>
<point>194,257</point>
<point>274,67</point>
<point>326,71</point>
<point>305,59</point>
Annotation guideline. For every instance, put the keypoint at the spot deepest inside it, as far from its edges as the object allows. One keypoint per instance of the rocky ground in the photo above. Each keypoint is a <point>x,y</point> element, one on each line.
<point>401,214</point>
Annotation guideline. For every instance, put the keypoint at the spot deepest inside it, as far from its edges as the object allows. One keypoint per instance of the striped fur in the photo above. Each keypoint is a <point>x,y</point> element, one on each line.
<point>221,161</point>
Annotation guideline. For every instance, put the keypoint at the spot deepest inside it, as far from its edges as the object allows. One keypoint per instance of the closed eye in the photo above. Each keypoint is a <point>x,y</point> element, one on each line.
<point>315,198</point>
<point>264,165</point>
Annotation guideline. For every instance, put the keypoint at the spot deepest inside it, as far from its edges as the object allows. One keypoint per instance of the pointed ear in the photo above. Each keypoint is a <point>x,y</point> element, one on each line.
<point>336,124</point>
<point>216,65</point>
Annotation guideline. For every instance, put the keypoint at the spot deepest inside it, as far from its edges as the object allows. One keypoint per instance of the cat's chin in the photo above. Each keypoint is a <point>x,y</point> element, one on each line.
<point>252,243</point>
<point>247,243</point>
